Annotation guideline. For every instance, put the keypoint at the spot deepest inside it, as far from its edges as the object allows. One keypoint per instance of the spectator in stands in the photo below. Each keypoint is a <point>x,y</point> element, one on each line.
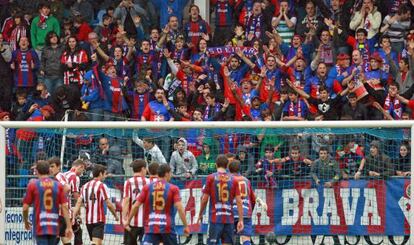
<point>25,63</point>
<point>109,155</point>
<point>85,9</point>
<point>246,159</point>
<point>19,29</point>
<point>354,110</point>
<point>74,61</point>
<point>183,162</point>
<point>92,97</point>
<point>41,95</point>
<point>402,162</point>
<point>65,98</point>
<point>82,29</point>
<point>350,157</point>
<point>169,9</point>
<point>295,165</point>
<point>377,164</point>
<point>395,26</point>
<point>325,169</point>
<point>152,152</point>
<point>284,23</point>
<point>295,109</point>
<point>5,76</point>
<point>42,25</point>
<point>196,28</point>
<point>207,160</point>
<point>311,23</point>
<point>268,167</point>
<point>50,69</point>
<point>115,105</point>
<point>126,12</point>
<point>368,18</point>
<point>403,72</point>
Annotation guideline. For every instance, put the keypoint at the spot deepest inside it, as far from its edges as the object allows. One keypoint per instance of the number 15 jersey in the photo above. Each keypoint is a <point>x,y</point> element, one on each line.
<point>158,199</point>
<point>222,189</point>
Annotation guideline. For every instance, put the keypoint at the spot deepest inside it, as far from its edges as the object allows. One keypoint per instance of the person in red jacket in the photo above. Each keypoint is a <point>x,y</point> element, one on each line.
<point>83,29</point>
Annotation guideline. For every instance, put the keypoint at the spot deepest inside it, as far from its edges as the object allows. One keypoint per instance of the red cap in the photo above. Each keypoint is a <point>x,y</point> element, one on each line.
<point>48,108</point>
<point>376,56</point>
<point>4,114</point>
<point>343,56</point>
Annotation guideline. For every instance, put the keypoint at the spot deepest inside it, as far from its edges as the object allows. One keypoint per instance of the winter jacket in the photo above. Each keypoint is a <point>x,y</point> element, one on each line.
<point>185,162</point>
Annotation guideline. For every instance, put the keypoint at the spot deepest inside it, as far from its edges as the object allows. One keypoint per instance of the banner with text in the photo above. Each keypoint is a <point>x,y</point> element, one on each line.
<point>354,207</point>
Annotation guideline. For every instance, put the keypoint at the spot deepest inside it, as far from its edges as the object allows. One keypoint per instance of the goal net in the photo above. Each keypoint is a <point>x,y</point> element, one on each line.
<point>323,184</point>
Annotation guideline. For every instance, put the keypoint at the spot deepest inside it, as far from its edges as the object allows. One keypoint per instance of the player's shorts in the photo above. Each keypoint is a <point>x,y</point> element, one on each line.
<point>96,230</point>
<point>46,240</point>
<point>156,239</point>
<point>248,227</point>
<point>135,234</point>
<point>62,226</point>
<point>220,232</point>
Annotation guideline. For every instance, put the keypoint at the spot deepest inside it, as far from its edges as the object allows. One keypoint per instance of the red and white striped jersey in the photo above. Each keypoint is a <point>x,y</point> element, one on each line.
<point>152,179</point>
<point>74,183</point>
<point>94,194</point>
<point>60,177</point>
<point>75,74</point>
<point>132,187</point>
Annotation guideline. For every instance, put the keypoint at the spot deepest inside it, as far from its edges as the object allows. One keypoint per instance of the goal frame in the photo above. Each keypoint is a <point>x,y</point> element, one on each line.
<point>187,125</point>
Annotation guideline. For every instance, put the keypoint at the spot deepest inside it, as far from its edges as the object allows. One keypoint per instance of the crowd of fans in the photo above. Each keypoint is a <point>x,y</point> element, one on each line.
<point>159,60</point>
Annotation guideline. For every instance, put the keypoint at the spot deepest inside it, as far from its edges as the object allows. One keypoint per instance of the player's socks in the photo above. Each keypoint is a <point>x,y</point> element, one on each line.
<point>247,243</point>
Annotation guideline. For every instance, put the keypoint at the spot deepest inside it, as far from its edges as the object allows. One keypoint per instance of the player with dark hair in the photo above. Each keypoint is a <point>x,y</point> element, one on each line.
<point>221,188</point>
<point>161,200</point>
<point>249,201</point>
<point>47,196</point>
<point>132,187</point>
<point>54,171</point>
<point>153,172</point>
<point>72,176</point>
<point>93,195</point>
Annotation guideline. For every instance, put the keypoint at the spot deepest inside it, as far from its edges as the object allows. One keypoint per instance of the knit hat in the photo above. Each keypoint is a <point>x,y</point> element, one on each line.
<point>4,114</point>
<point>375,143</point>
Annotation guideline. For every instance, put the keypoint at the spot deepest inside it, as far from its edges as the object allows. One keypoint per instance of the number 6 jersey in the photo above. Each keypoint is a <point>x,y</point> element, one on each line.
<point>47,196</point>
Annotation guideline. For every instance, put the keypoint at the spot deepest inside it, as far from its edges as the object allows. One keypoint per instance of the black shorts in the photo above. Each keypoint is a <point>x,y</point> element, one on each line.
<point>62,226</point>
<point>96,230</point>
<point>134,235</point>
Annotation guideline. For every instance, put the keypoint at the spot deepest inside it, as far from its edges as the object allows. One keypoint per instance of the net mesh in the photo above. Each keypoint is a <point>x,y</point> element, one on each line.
<point>322,186</point>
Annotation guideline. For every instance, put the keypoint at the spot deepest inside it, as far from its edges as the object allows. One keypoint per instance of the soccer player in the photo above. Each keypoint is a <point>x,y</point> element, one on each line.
<point>132,187</point>
<point>161,201</point>
<point>93,195</point>
<point>54,170</point>
<point>153,172</point>
<point>221,188</point>
<point>72,176</point>
<point>48,197</point>
<point>248,200</point>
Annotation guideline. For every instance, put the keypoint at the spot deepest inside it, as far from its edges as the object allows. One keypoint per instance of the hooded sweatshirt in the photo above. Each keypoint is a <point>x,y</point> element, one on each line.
<point>184,162</point>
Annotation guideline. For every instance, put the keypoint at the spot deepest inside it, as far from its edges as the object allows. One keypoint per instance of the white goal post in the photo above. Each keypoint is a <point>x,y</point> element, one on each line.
<point>186,125</point>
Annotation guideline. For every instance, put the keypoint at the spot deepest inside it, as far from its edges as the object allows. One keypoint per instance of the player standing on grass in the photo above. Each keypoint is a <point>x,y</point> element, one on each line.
<point>78,167</point>
<point>161,200</point>
<point>132,188</point>
<point>248,199</point>
<point>47,196</point>
<point>221,188</point>
<point>93,195</point>
<point>54,171</point>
